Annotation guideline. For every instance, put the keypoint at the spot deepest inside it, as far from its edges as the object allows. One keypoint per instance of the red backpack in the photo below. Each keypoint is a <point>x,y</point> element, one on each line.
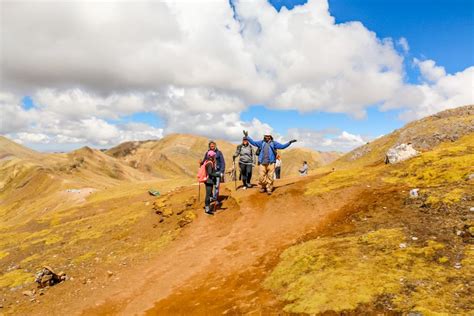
<point>202,173</point>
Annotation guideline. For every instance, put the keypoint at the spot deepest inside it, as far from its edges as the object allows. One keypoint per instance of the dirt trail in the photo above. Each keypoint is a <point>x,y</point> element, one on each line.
<point>239,238</point>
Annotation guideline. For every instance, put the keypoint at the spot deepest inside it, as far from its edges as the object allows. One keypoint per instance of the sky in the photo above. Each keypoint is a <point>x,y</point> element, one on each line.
<point>333,74</point>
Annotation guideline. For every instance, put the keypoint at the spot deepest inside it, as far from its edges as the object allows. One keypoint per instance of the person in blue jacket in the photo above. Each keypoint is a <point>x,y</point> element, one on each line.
<point>266,159</point>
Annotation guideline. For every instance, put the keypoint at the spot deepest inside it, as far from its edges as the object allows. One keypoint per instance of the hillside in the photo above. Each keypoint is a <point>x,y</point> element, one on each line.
<point>32,183</point>
<point>177,155</point>
<point>424,135</point>
<point>9,149</point>
<point>349,241</point>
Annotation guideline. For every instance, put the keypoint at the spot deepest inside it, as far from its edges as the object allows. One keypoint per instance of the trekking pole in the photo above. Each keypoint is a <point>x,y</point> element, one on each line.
<point>199,192</point>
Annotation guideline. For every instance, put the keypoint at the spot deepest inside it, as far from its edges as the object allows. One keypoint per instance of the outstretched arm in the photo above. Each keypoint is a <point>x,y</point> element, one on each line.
<point>257,144</point>
<point>277,145</point>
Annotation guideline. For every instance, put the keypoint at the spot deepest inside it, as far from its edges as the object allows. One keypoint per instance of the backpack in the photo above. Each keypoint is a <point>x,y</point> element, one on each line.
<point>202,175</point>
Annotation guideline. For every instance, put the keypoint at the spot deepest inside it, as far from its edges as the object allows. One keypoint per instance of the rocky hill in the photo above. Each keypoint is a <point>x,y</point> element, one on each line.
<point>424,135</point>
<point>177,155</point>
<point>363,238</point>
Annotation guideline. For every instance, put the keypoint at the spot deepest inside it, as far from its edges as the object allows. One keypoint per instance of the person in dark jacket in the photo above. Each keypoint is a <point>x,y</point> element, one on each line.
<point>266,159</point>
<point>211,181</point>
<point>246,160</point>
<point>220,162</point>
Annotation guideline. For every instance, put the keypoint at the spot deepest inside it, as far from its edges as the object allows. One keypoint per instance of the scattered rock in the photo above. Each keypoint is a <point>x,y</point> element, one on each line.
<point>471,209</point>
<point>29,293</point>
<point>165,212</point>
<point>400,153</point>
<point>470,177</point>
<point>14,267</point>
<point>402,245</point>
<point>110,273</point>
<point>414,193</point>
<point>458,265</point>
<point>414,238</point>
<point>47,277</point>
<point>187,218</point>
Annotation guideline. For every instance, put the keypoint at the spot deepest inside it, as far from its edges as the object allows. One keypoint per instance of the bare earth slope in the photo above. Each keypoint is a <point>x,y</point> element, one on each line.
<point>348,241</point>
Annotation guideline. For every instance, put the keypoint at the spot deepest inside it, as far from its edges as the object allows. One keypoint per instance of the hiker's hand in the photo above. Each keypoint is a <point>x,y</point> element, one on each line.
<point>246,133</point>
<point>292,141</point>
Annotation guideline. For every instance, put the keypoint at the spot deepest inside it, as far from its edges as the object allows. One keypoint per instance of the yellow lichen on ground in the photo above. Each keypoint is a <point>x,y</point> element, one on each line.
<point>3,254</point>
<point>340,274</point>
<point>84,257</point>
<point>15,278</point>
<point>338,179</point>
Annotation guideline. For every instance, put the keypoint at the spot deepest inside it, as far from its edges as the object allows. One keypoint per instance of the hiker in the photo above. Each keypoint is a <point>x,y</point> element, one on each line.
<point>277,167</point>
<point>210,180</point>
<point>246,160</point>
<point>266,159</point>
<point>220,162</point>
<point>304,169</point>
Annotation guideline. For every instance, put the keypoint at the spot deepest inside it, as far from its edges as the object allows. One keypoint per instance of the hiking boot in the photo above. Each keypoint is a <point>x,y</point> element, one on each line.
<point>208,211</point>
<point>245,188</point>
<point>262,190</point>
<point>248,185</point>
<point>269,192</point>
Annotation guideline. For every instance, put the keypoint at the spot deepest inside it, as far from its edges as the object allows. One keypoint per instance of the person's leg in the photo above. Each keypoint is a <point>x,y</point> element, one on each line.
<point>216,188</point>
<point>249,175</point>
<point>277,173</point>
<point>243,173</point>
<point>270,173</point>
<point>262,176</point>
<point>208,194</point>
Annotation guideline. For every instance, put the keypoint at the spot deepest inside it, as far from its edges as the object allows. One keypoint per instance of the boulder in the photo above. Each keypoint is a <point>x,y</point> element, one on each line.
<point>400,153</point>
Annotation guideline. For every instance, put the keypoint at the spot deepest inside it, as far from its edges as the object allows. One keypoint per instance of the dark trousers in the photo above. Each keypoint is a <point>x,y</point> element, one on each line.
<point>245,173</point>
<point>209,187</point>
<point>277,172</point>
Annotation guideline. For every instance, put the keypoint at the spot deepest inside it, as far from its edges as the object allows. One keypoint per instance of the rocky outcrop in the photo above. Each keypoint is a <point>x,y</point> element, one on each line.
<point>400,153</point>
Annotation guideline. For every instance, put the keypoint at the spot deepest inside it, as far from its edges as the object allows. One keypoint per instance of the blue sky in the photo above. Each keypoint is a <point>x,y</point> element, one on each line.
<point>88,94</point>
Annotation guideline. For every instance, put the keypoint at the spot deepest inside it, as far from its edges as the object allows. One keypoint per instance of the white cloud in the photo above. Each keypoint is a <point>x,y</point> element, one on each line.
<point>439,92</point>
<point>32,138</point>
<point>403,43</point>
<point>262,57</point>
<point>327,140</point>
<point>429,70</point>
<point>86,63</point>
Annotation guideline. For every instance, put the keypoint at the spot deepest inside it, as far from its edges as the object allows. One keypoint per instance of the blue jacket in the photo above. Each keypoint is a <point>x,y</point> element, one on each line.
<point>273,145</point>
<point>220,162</point>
